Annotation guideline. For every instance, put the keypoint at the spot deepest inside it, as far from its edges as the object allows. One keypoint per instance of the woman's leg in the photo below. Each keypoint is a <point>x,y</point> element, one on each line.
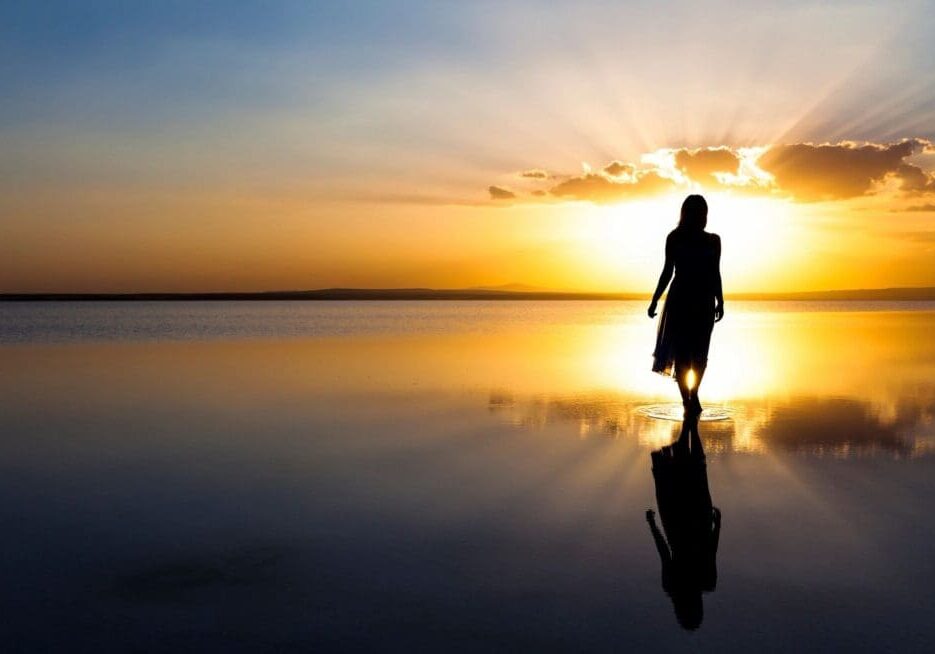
<point>699,374</point>
<point>681,378</point>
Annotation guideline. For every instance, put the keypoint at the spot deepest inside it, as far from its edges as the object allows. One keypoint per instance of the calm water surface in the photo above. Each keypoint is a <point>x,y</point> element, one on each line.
<point>447,476</point>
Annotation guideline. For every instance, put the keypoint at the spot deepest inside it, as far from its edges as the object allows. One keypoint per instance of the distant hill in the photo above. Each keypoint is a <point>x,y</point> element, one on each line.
<point>519,288</point>
<point>494,293</point>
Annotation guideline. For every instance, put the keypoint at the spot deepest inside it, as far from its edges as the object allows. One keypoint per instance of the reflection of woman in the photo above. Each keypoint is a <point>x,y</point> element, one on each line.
<point>691,523</point>
<point>694,302</point>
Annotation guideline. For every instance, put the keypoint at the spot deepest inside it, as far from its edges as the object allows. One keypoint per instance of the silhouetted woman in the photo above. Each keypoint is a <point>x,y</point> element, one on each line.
<point>694,302</point>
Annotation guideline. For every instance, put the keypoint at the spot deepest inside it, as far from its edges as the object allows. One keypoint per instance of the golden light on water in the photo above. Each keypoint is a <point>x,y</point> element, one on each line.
<point>766,365</point>
<point>589,364</point>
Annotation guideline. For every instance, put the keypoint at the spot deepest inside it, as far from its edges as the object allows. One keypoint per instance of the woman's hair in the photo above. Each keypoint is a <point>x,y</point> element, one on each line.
<point>694,213</point>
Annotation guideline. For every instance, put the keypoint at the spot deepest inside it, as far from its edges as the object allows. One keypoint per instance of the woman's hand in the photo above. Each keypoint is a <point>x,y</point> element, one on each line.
<point>651,312</point>
<point>718,311</point>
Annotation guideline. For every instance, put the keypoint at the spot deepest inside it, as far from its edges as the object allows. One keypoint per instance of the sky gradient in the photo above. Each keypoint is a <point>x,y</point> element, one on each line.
<point>237,146</point>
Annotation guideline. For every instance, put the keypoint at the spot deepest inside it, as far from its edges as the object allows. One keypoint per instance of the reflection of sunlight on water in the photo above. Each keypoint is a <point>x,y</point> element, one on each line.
<point>747,426</point>
<point>882,358</point>
<point>656,434</point>
<point>845,383</point>
<point>745,362</point>
<point>824,383</point>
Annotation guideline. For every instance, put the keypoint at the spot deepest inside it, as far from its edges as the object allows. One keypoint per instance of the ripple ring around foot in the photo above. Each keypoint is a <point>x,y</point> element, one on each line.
<point>675,411</point>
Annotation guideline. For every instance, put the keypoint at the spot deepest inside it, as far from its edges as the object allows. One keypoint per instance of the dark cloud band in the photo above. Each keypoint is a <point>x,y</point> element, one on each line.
<point>500,193</point>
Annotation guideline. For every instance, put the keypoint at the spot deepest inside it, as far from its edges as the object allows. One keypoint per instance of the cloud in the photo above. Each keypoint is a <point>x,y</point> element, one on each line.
<point>618,168</point>
<point>500,193</point>
<point>841,170</point>
<point>701,164</point>
<point>598,188</point>
<point>922,207</point>
<point>915,180</point>
<point>804,172</point>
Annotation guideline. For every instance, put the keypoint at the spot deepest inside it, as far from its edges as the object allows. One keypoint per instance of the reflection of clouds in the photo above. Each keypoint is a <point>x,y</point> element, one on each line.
<point>841,427</point>
<point>833,426</point>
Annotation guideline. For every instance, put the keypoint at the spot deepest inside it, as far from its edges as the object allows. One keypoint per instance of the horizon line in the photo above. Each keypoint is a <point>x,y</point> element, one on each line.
<point>897,293</point>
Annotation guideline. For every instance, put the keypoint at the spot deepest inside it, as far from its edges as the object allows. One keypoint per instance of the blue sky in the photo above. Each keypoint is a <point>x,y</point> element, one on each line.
<point>411,73</point>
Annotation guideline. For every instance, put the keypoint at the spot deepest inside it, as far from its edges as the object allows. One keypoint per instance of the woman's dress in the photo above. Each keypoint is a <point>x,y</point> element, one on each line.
<point>687,318</point>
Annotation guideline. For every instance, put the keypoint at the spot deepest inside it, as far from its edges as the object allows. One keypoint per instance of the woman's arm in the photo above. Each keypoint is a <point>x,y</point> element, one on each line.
<point>664,278</point>
<point>661,546</point>
<point>718,290</point>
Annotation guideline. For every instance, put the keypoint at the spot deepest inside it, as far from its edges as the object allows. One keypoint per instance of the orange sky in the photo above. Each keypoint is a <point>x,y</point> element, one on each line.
<point>462,146</point>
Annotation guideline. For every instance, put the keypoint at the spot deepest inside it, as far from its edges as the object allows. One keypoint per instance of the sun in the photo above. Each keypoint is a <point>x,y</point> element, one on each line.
<point>758,239</point>
<point>623,244</point>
